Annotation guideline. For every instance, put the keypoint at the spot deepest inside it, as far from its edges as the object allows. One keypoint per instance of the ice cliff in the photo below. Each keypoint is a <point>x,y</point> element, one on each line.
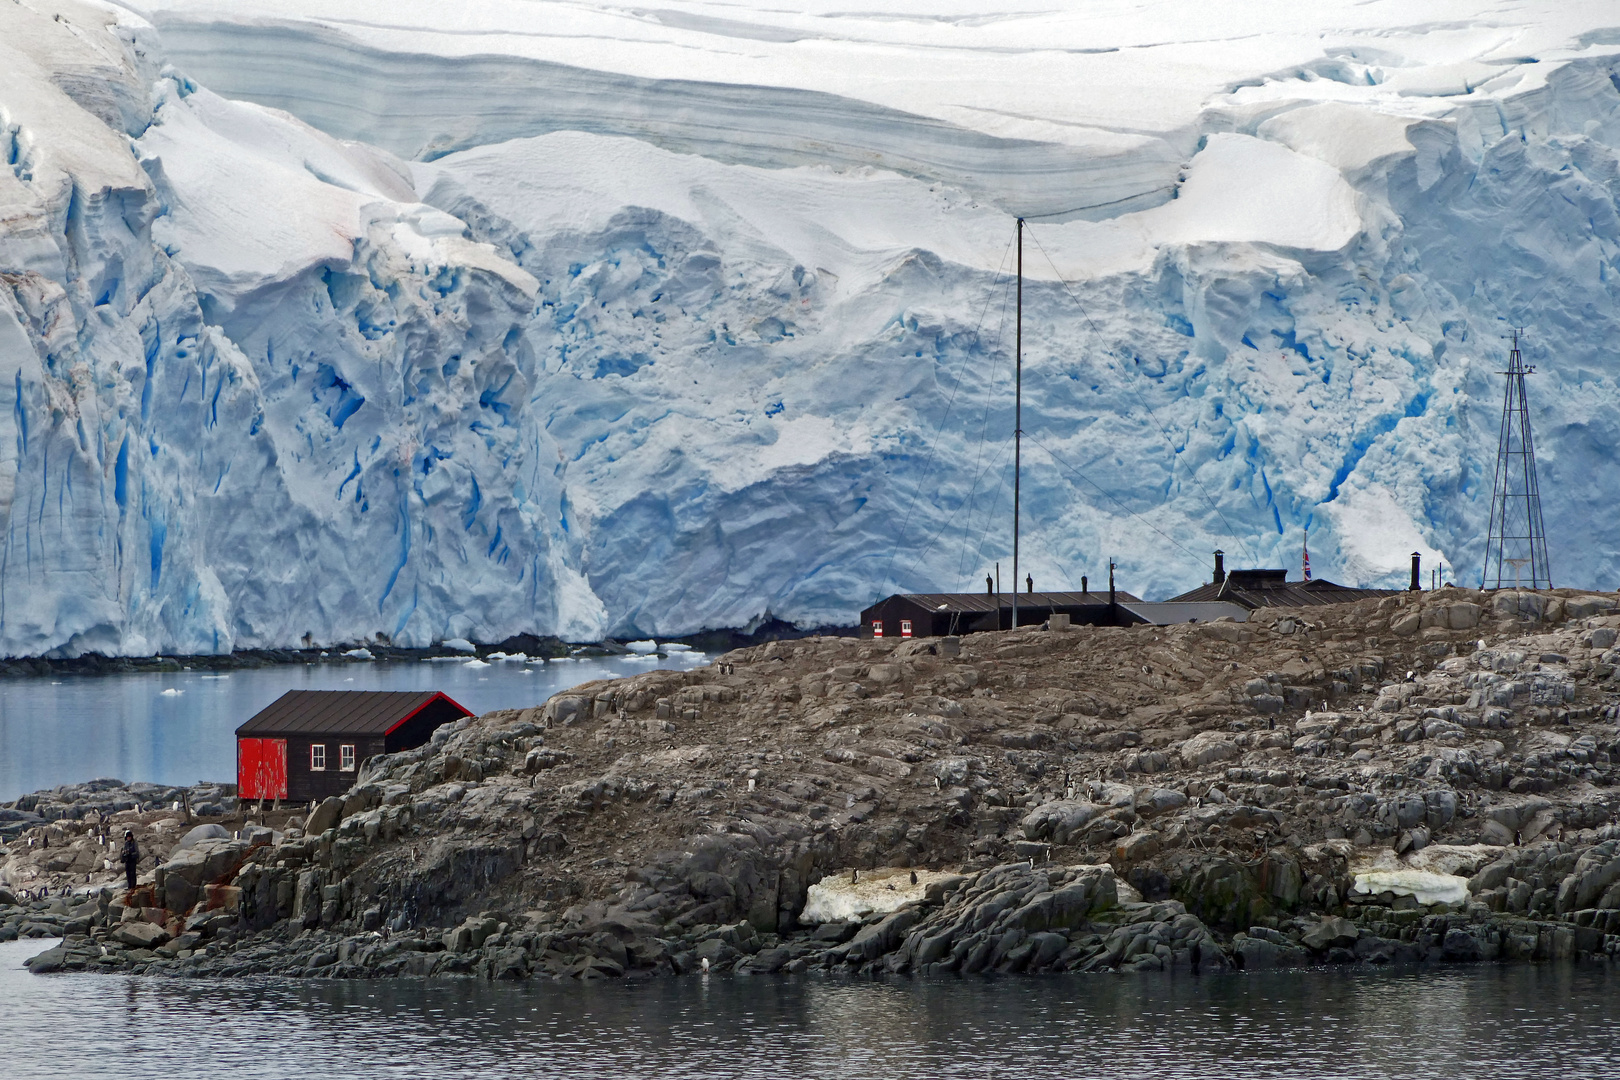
<point>585,319</point>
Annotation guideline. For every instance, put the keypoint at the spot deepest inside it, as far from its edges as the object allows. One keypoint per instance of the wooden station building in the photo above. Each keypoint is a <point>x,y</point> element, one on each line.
<point>907,615</point>
<point>1253,589</point>
<point>308,744</point>
<point>1229,595</point>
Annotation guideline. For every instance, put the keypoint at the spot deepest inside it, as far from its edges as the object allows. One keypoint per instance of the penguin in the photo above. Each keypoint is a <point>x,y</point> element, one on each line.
<point>854,877</point>
<point>914,877</point>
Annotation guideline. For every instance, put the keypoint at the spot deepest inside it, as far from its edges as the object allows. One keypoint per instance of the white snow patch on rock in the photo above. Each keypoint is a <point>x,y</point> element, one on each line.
<point>835,898</point>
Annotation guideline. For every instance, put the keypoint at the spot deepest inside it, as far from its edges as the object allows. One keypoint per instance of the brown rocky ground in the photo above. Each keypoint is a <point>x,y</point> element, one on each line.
<point>1104,798</point>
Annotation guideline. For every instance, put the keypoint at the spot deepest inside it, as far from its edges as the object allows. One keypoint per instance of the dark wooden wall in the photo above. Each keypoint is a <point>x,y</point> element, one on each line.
<point>304,785</point>
<point>419,728</point>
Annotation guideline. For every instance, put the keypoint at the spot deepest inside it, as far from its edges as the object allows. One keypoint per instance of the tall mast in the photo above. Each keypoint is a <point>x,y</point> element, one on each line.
<point>1018,414</point>
<point>1517,535</point>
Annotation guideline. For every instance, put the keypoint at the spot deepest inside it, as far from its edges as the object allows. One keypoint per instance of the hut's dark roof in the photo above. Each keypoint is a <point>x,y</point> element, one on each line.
<point>991,601</point>
<point>340,712</point>
<point>1269,588</point>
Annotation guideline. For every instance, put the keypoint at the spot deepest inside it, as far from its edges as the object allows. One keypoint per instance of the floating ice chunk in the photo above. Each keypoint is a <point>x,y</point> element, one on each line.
<point>172,692</point>
<point>459,644</point>
<point>512,657</point>
<point>675,646</point>
<point>642,647</point>
<point>361,653</point>
<point>475,663</point>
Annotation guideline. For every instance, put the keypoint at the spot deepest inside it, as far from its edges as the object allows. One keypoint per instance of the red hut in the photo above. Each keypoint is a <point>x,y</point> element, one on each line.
<point>308,744</point>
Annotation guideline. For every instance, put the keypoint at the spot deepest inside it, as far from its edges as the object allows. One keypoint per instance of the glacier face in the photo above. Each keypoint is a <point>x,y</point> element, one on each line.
<point>581,319</point>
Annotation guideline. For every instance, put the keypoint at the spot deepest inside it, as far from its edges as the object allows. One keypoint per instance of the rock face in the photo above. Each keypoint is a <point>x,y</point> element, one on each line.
<point>652,824</point>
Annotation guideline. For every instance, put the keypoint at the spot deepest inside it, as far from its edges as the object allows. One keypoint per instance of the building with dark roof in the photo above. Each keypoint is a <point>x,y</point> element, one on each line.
<point>940,614</point>
<point>308,744</point>
<point>1253,589</point>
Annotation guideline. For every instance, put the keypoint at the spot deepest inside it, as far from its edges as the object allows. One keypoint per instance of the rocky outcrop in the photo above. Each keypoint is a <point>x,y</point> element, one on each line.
<point>1310,787</point>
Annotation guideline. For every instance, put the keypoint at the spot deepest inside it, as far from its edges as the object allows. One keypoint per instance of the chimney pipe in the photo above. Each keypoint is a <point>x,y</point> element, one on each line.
<point>1220,566</point>
<point>1029,582</point>
<point>989,585</point>
<point>1111,581</point>
<point>1085,586</point>
<point>1416,581</point>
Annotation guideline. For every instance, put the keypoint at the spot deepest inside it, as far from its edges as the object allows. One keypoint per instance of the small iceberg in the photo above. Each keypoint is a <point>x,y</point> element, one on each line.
<point>362,653</point>
<point>516,658</point>
<point>475,663</point>
<point>675,646</point>
<point>459,644</point>
<point>642,648</point>
<point>171,692</point>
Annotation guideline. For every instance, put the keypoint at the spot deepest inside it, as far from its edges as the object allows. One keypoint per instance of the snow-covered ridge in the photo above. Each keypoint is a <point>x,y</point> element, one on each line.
<point>424,106</point>
<point>585,318</point>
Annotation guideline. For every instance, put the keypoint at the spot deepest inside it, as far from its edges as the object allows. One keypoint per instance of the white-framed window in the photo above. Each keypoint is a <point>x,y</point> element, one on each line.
<point>877,627</point>
<point>346,757</point>
<point>905,627</point>
<point>317,758</point>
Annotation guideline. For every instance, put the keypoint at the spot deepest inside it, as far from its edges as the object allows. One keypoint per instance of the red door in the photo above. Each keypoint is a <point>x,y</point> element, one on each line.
<point>261,768</point>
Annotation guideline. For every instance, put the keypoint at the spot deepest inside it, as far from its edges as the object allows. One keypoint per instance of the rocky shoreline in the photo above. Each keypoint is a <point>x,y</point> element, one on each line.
<point>1423,778</point>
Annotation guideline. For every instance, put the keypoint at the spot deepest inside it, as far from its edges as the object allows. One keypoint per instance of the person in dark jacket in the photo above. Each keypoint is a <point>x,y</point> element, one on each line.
<point>131,856</point>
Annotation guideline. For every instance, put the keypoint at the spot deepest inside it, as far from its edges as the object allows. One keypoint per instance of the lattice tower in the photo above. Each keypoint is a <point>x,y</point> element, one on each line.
<point>1516,545</point>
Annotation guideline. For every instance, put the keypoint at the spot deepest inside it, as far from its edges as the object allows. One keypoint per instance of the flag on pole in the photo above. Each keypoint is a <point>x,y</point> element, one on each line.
<point>1307,554</point>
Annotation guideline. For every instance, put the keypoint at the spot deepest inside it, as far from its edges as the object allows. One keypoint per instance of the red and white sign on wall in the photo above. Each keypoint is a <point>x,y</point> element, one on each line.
<point>877,627</point>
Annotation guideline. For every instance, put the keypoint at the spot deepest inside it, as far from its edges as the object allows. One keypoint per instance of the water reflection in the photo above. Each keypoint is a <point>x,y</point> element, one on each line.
<point>176,727</point>
<point>1479,1021</point>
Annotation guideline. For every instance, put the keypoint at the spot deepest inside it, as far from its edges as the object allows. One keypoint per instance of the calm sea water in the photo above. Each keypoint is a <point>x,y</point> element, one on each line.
<point>176,727</point>
<point>1478,1022</point>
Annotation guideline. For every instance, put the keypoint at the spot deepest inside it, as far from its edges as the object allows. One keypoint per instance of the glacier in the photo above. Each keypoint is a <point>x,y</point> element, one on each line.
<point>405,323</point>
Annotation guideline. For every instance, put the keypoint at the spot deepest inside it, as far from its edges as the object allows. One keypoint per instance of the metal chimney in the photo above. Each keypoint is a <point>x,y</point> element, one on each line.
<point>1220,566</point>
<point>1085,586</point>
<point>1416,585</point>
